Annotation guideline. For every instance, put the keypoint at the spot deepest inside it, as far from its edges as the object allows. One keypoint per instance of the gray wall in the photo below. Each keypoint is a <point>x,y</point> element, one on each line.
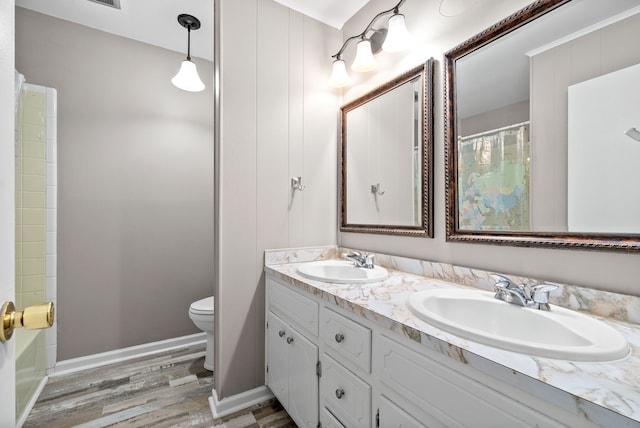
<point>135,180</point>
<point>435,35</point>
<point>278,121</point>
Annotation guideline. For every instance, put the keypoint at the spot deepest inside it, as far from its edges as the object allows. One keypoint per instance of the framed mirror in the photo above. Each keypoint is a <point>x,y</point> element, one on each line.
<point>542,114</point>
<point>386,151</point>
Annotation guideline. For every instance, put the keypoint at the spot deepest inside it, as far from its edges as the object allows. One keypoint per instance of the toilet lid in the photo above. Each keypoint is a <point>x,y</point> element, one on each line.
<point>202,306</point>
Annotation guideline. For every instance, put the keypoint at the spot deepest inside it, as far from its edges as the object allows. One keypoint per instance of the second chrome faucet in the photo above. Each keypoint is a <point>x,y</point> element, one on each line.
<point>537,297</point>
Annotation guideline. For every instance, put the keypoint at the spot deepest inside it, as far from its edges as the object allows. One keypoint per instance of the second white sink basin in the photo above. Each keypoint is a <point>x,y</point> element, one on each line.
<point>558,333</point>
<point>343,272</point>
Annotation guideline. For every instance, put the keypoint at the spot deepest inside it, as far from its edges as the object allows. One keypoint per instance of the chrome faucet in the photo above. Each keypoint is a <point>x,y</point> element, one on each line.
<point>510,292</point>
<point>360,260</point>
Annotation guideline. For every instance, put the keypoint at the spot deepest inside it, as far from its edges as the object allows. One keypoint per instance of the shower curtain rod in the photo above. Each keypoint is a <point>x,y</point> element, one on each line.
<point>493,131</point>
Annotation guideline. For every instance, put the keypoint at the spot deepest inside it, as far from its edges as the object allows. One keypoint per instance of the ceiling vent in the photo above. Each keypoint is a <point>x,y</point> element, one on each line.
<point>111,3</point>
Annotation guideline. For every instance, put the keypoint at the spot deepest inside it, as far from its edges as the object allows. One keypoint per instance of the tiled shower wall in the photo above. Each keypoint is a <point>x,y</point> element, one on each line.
<point>36,196</point>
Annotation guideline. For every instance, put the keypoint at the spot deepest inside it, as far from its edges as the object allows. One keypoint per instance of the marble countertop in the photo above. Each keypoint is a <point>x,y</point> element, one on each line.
<point>605,393</point>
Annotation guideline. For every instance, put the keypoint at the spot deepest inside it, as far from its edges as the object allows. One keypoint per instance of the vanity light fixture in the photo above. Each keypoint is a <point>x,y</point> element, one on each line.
<point>394,39</point>
<point>633,133</point>
<point>187,78</point>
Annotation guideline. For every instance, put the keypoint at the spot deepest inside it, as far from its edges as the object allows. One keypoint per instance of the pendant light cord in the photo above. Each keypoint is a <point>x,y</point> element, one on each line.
<point>188,42</point>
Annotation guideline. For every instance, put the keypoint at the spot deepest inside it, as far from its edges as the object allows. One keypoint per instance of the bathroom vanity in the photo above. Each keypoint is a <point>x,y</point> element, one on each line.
<point>354,355</point>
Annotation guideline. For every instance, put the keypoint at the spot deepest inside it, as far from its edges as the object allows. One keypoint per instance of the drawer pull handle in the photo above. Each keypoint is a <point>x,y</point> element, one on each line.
<point>339,393</point>
<point>339,337</point>
<point>281,333</point>
<point>289,340</point>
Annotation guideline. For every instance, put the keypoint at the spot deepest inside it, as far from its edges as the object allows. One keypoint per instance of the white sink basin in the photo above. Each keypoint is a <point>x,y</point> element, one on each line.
<point>343,272</point>
<point>559,333</point>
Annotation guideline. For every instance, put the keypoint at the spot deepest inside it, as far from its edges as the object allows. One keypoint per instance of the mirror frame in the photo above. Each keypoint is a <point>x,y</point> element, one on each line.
<point>425,229</point>
<point>586,241</point>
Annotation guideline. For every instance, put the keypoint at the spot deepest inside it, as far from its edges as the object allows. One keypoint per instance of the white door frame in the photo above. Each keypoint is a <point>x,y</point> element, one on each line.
<point>7,204</point>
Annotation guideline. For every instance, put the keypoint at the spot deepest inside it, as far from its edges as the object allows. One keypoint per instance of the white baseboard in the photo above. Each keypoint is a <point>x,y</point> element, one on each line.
<point>238,402</point>
<point>31,403</point>
<point>115,356</point>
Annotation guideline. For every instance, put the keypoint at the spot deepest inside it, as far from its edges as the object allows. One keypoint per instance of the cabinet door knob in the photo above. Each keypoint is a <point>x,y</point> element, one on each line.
<point>281,333</point>
<point>289,340</point>
<point>339,337</point>
<point>339,393</point>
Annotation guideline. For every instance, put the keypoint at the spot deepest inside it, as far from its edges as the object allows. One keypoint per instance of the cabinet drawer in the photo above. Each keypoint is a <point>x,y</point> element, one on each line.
<point>346,338</point>
<point>300,310</point>
<point>344,394</point>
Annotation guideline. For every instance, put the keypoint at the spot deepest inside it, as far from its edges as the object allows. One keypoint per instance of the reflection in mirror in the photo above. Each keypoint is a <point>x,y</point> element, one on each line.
<point>538,118</point>
<point>386,143</point>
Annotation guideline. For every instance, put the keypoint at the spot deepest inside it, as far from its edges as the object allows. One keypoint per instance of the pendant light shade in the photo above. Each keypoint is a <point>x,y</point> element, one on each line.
<point>187,78</point>
<point>339,76</point>
<point>364,60</point>
<point>398,38</point>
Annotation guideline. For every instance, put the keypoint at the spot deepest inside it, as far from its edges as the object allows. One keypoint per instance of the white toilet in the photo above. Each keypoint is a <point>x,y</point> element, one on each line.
<point>201,313</point>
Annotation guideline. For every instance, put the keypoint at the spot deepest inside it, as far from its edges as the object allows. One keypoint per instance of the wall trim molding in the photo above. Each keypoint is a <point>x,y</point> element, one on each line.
<point>96,360</point>
<point>238,402</point>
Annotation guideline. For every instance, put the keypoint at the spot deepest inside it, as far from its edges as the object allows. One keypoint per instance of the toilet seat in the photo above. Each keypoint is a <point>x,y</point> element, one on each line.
<point>202,306</point>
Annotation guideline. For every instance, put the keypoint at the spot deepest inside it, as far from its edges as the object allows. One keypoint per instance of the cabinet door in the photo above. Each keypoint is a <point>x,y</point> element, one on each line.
<point>393,416</point>
<point>328,420</point>
<point>277,357</point>
<point>444,392</point>
<point>303,380</point>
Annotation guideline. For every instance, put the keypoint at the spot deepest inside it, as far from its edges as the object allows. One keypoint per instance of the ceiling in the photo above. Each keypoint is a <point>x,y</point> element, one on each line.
<point>149,21</point>
<point>332,12</point>
<point>155,21</point>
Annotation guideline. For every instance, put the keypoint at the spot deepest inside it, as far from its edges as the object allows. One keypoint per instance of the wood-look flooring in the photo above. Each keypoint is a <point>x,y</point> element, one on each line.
<point>169,389</point>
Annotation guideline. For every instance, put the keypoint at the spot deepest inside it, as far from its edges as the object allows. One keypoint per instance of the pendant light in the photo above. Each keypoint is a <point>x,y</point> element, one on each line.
<point>187,77</point>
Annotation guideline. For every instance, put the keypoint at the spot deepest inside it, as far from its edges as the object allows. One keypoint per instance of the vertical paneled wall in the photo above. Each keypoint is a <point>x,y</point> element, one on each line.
<point>278,120</point>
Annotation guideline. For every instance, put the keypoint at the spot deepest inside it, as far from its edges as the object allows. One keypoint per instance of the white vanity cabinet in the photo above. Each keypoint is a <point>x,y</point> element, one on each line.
<point>390,415</point>
<point>369,376</point>
<point>291,358</point>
